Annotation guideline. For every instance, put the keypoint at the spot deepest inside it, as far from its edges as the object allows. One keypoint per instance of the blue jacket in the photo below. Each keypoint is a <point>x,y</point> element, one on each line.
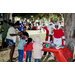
<point>21,44</point>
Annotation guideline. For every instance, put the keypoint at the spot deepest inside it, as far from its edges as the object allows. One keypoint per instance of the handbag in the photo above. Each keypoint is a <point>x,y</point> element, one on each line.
<point>16,39</point>
<point>24,54</point>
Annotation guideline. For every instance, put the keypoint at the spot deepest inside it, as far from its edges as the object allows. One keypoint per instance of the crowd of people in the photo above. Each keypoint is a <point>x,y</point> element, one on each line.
<point>17,31</point>
<point>34,25</point>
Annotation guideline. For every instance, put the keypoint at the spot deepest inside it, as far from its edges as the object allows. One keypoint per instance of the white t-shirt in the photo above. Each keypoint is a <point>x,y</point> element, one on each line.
<point>11,30</point>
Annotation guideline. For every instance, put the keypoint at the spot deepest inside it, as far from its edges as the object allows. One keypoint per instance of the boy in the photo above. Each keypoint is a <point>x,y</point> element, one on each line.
<point>21,45</point>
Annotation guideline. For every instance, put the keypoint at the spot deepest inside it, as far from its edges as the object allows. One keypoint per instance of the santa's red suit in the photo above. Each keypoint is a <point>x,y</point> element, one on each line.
<point>48,32</point>
<point>58,36</point>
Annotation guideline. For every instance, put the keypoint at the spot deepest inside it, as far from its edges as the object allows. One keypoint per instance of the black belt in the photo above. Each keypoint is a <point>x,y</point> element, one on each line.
<point>49,35</point>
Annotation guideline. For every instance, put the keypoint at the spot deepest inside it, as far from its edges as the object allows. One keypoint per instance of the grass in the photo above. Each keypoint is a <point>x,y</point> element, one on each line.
<point>0,40</point>
<point>42,36</point>
<point>4,55</point>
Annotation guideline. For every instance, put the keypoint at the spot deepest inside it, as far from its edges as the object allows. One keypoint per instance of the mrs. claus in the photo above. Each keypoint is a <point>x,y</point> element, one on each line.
<point>58,37</point>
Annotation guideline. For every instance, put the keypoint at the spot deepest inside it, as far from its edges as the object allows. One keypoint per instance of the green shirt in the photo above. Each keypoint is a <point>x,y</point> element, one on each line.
<point>4,29</point>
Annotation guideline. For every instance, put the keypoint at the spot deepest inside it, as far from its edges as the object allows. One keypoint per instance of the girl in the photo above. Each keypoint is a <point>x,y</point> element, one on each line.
<point>28,47</point>
<point>22,41</point>
<point>37,47</point>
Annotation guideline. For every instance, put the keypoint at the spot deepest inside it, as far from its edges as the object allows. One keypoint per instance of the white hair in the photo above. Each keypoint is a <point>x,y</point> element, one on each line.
<point>56,24</point>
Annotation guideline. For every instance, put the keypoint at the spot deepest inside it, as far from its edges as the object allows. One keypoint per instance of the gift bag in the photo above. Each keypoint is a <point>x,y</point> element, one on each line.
<point>16,39</point>
<point>24,54</point>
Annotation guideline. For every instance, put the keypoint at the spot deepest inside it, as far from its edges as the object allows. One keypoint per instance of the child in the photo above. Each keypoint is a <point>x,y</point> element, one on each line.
<point>58,35</point>
<point>37,46</point>
<point>22,41</point>
<point>28,47</point>
<point>24,29</point>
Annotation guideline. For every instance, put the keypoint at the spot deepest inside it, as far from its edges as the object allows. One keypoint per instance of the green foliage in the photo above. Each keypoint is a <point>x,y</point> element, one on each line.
<point>54,17</point>
<point>42,21</point>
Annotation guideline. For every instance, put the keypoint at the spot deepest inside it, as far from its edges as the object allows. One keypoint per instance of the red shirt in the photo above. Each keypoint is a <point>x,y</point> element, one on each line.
<point>58,33</point>
<point>29,47</point>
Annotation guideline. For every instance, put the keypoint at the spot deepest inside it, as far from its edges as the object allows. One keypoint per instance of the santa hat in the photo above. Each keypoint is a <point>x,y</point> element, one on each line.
<point>56,24</point>
<point>50,22</point>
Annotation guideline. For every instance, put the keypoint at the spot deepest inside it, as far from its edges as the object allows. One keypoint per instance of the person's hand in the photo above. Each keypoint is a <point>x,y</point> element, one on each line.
<point>19,34</point>
<point>64,40</point>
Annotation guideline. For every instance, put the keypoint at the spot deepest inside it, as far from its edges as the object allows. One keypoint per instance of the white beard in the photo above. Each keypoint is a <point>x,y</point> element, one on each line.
<point>50,28</point>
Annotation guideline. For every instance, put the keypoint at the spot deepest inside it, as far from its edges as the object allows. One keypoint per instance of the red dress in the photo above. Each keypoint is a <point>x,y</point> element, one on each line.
<point>58,33</point>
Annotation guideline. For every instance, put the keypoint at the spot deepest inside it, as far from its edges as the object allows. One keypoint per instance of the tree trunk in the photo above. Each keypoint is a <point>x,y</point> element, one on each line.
<point>69,30</point>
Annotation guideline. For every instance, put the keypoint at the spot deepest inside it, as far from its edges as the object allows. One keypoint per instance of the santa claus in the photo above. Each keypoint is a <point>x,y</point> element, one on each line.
<point>49,36</point>
<point>49,33</point>
<point>58,36</point>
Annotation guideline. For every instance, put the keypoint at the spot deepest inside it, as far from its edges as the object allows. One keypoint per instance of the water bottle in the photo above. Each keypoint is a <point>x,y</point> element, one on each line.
<point>51,42</point>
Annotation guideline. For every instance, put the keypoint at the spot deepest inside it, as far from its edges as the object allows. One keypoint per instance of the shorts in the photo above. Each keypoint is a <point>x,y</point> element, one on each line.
<point>9,42</point>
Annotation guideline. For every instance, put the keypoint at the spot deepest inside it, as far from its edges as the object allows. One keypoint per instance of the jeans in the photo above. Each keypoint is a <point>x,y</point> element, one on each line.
<point>10,42</point>
<point>20,57</point>
<point>28,55</point>
<point>37,60</point>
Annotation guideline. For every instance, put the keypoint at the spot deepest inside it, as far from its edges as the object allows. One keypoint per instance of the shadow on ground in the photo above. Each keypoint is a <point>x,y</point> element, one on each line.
<point>14,59</point>
<point>4,49</point>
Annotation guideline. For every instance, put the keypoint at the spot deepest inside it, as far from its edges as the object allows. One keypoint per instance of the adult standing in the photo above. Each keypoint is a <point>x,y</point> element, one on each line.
<point>30,25</point>
<point>10,23</point>
<point>49,35</point>
<point>4,30</point>
<point>9,39</point>
<point>58,37</point>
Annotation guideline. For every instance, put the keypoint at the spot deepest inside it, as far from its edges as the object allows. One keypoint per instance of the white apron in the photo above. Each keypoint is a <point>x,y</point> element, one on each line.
<point>58,41</point>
